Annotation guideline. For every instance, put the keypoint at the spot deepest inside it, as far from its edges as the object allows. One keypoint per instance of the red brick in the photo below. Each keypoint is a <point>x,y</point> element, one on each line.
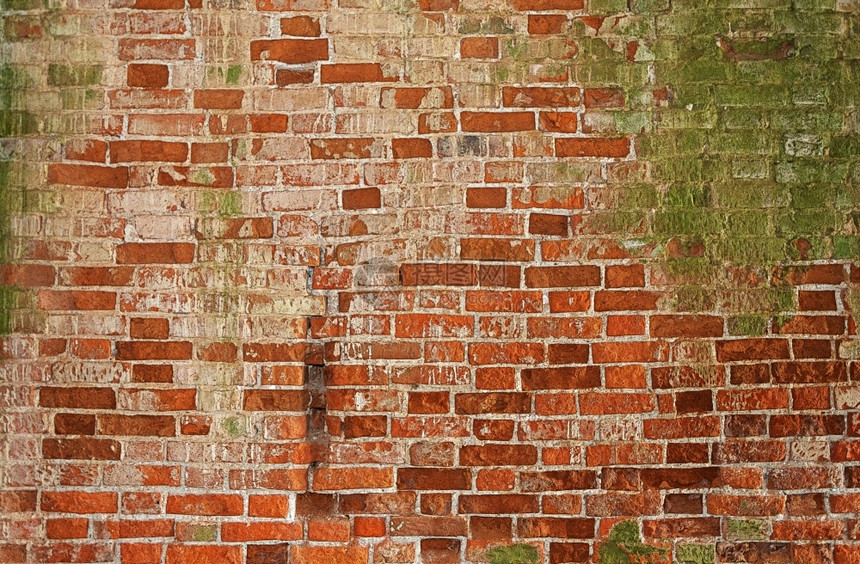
<point>352,478</point>
<point>558,122</point>
<point>267,123</point>
<point>434,479</point>
<point>816,300</point>
<point>752,400</point>
<point>412,148</point>
<point>752,349</point>
<point>369,526</point>
<point>437,122</point>
<point>147,75</point>
<point>293,51</point>
<point>562,302</point>
<point>362,198</point>
<point>562,276</point>
<point>300,26</point>
<point>88,175</point>
<point>806,425</point>
<point>218,352</point>
<point>547,5</point>
<point>564,327</point>
<point>690,527</point>
<point>628,276</point>
<point>97,276</point>
<point>275,400</point>
<point>159,4</point>
<point>152,373</point>
<point>79,502</point>
<point>496,249</point>
<point>625,376</point>
<point>140,151</point>
<point>682,427</point>
<point>149,328</point>
<point>76,528</point>
<point>687,453</point>
<point>813,325</point>
<point>418,98</point>
<point>220,99</point>
<point>547,24</point>
<point>204,554</point>
<point>76,300</point>
<point>137,425</point>
<point>486,197</point>
<point>581,147</point>
<point>317,554</point>
<point>809,372</point>
<point>498,455</point>
<point>80,397</point>
<point>367,426</point>
<point>632,351</point>
<point>155,253</point>
<point>567,378</point>
<point>428,402</point>
<point>498,504</point>
<point>286,77</point>
<point>490,122</point>
<point>686,326</point>
<point>275,352</point>
<point>205,504</point>
<point>438,5</point>
<point>562,353</point>
<point>604,98</point>
<point>140,553</point>
<point>625,300</point>
<point>260,531</point>
<point>620,325</point>
<point>209,152</point>
<point>74,424</point>
<point>491,402</point>
<point>153,350</point>
<point>353,72</point>
<point>479,48</point>
<point>548,224</point>
<point>557,527</point>
<point>81,449</point>
<point>615,403</point>
<point>497,301</point>
<point>92,150</point>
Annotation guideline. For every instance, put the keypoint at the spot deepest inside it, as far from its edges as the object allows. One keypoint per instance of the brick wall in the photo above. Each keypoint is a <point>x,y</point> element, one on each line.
<point>388,281</point>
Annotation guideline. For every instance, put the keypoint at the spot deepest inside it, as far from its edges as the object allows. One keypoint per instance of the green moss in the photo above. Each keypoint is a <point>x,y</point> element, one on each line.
<point>747,325</point>
<point>696,553</point>
<point>624,546</point>
<point>746,529</point>
<point>514,554</point>
<point>68,75</point>
<point>222,204</point>
<point>234,426</point>
<point>234,73</point>
<point>203,533</point>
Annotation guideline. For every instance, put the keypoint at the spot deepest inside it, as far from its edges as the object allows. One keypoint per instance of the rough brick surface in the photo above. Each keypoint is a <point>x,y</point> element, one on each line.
<point>311,281</point>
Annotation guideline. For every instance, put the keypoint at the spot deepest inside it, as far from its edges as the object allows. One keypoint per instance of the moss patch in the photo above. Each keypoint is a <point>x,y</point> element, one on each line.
<point>624,546</point>
<point>514,554</point>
